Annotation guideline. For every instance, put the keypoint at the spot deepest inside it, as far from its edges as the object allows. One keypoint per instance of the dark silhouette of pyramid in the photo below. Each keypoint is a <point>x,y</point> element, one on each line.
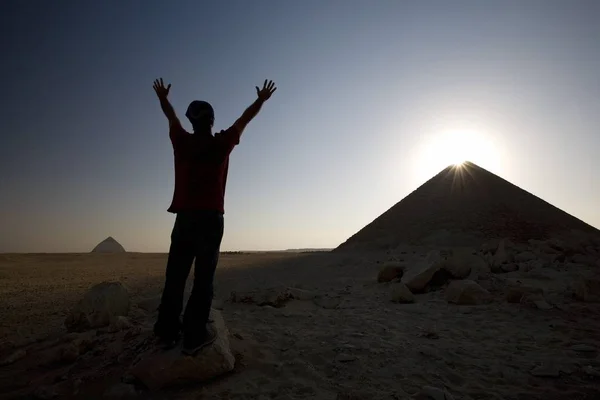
<point>108,245</point>
<point>465,205</point>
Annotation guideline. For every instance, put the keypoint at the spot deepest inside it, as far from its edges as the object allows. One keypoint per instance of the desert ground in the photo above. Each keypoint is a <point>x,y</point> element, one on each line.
<point>342,338</point>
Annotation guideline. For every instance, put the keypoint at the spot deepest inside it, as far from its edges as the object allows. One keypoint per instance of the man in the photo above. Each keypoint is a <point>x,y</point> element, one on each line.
<point>201,164</point>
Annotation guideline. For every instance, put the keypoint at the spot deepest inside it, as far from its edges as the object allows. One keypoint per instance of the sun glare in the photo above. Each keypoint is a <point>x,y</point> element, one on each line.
<point>454,147</point>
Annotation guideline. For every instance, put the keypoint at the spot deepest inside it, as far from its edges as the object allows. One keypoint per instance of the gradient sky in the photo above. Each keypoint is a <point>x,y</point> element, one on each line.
<point>372,98</point>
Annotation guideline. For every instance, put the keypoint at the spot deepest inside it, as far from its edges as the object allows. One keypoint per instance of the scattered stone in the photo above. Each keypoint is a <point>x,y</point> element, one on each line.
<point>119,323</point>
<point>466,292</point>
<point>45,393</point>
<point>433,393</point>
<point>525,256</point>
<point>13,357</point>
<point>509,267</point>
<point>99,304</point>
<point>583,348</point>
<point>541,304</point>
<point>390,272</point>
<point>301,294</point>
<point>149,304</point>
<point>120,390</point>
<point>427,277</point>
<point>327,302</point>
<point>161,369</point>
<point>344,358</point>
<point>587,290</point>
<point>503,254</point>
<point>546,371</point>
<point>401,294</point>
<point>588,369</point>
<point>269,297</point>
<point>68,353</point>
<point>516,294</point>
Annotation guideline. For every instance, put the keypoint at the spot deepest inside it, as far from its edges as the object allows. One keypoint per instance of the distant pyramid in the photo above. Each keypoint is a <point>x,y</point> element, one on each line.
<point>465,205</point>
<point>108,245</point>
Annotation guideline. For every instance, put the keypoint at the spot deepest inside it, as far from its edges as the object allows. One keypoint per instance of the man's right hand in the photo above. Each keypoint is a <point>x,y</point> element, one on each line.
<point>161,91</point>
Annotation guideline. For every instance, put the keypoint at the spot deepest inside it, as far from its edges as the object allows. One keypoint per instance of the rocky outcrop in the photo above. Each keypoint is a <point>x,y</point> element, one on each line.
<point>100,305</point>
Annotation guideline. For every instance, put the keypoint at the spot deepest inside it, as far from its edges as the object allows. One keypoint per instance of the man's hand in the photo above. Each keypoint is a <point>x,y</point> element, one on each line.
<point>161,91</point>
<point>267,90</point>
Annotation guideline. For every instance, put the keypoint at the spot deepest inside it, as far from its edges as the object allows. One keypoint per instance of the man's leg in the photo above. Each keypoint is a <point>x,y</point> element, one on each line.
<point>195,334</point>
<point>181,256</point>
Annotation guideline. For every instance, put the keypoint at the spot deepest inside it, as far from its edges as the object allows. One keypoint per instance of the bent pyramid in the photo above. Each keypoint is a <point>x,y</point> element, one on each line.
<point>108,245</point>
<point>465,205</point>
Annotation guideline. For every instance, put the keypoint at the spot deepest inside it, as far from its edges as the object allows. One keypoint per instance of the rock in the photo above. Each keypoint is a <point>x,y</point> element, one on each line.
<point>516,294</point>
<point>584,259</point>
<point>119,323</point>
<point>458,262</point>
<point>589,370</point>
<point>433,393</point>
<point>301,294</point>
<point>525,256</point>
<point>161,369</point>
<point>587,290</point>
<point>120,390</point>
<point>490,247</point>
<point>149,304</point>
<point>466,292</point>
<point>98,306</point>
<point>344,358</point>
<point>13,357</point>
<point>68,353</point>
<point>502,254</point>
<point>390,272</point>
<point>583,348</point>
<point>546,371</point>
<point>44,393</point>
<point>426,277</point>
<point>401,294</point>
<point>509,267</point>
<point>269,297</point>
<point>541,304</point>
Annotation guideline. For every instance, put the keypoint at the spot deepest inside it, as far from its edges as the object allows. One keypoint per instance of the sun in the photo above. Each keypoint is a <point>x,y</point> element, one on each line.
<point>454,148</point>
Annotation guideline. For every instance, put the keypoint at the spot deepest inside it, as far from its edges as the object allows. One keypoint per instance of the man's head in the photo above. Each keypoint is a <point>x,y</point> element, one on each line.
<point>201,114</point>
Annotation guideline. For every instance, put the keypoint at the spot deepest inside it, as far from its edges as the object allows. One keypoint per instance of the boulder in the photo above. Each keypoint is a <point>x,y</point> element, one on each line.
<point>159,369</point>
<point>98,307</point>
<point>426,277</point>
<point>587,289</point>
<point>466,292</point>
<point>401,294</point>
<point>518,293</point>
<point>390,272</point>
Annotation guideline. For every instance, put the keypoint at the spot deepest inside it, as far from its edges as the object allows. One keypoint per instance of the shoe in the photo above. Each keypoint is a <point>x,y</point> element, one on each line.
<point>191,346</point>
<point>168,342</point>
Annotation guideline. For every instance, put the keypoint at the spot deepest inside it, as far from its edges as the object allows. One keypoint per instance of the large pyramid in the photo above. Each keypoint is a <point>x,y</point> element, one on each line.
<point>465,205</point>
<point>108,245</point>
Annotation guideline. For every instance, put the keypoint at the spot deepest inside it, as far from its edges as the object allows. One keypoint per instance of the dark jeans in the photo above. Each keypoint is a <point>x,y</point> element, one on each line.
<point>196,235</point>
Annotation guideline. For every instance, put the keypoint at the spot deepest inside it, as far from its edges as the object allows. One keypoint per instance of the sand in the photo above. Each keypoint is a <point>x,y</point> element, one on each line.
<point>348,342</point>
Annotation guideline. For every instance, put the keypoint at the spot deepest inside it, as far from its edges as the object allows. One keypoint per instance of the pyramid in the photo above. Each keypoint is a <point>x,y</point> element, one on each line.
<point>108,245</point>
<point>465,206</point>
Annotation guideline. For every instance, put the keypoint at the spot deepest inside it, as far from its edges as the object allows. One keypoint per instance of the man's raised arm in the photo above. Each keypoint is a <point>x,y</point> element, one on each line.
<point>163,92</point>
<point>263,95</point>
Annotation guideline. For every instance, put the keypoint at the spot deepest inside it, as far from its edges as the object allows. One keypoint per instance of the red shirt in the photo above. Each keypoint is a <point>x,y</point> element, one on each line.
<point>201,165</point>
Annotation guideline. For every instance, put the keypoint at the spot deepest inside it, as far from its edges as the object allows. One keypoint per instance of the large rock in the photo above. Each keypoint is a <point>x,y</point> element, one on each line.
<point>99,306</point>
<point>466,292</point>
<point>108,245</point>
<point>162,369</point>
<point>401,294</point>
<point>425,277</point>
<point>390,272</point>
<point>587,289</point>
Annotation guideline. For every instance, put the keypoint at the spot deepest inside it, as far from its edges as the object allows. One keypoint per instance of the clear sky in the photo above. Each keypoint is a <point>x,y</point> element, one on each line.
<point>372,99</point>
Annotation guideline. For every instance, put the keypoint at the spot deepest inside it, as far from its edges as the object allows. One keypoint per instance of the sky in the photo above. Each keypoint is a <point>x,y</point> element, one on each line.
<point>373,99</point>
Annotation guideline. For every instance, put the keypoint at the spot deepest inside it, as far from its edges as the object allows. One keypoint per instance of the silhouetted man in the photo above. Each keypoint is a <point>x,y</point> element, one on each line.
<point>201,164</point>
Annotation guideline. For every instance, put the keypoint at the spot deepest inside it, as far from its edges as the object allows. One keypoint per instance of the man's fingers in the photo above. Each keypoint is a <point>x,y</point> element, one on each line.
<point>169,86</point>
<point>161,82</point>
